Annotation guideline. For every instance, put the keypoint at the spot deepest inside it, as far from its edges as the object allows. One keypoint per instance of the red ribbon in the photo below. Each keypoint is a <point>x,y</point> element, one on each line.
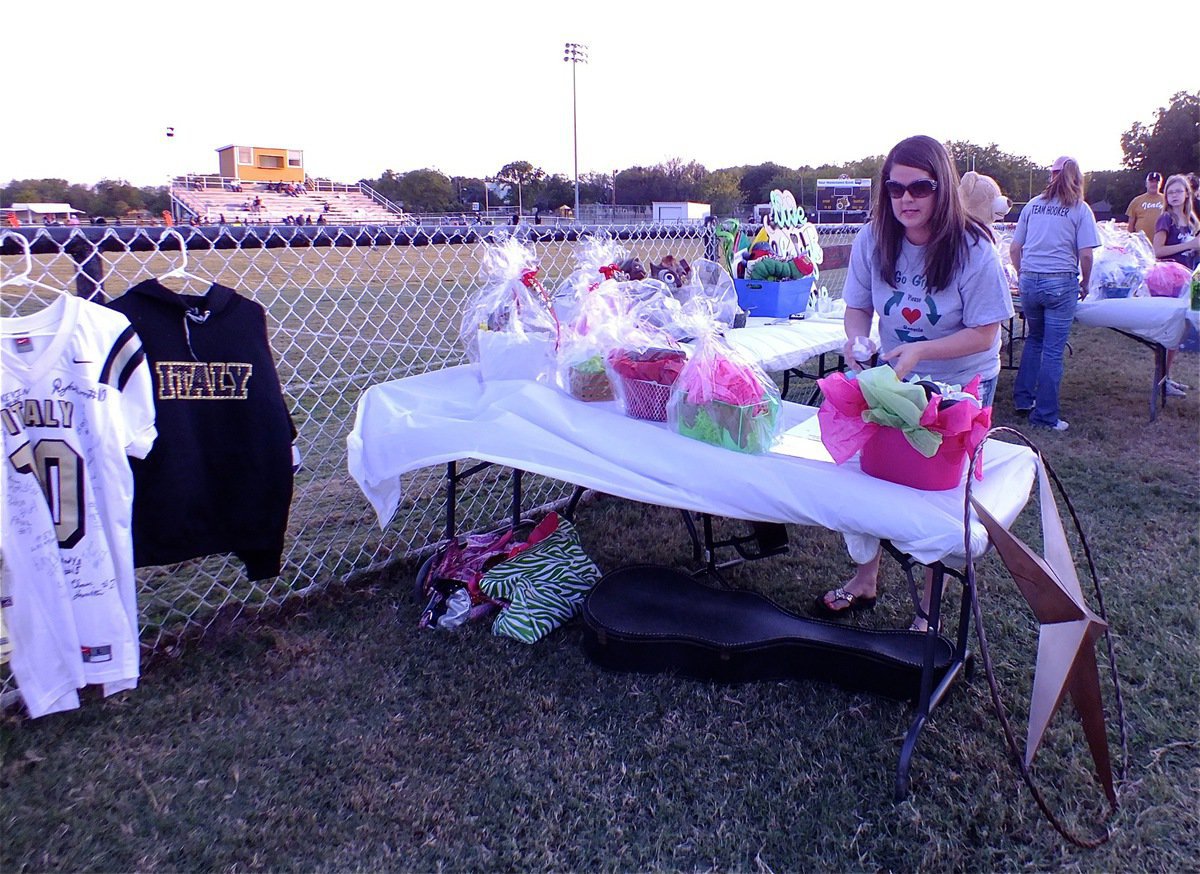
<point>530,280</point>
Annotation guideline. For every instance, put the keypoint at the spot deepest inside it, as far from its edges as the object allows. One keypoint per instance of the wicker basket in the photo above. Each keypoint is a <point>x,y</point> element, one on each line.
<point>645,399</point>
<point>589,386</point>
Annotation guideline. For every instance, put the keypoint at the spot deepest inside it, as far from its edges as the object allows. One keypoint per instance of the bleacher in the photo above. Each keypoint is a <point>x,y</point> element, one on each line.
<point>209,198</point>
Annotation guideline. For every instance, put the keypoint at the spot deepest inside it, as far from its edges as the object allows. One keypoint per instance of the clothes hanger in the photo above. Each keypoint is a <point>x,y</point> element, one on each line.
<point>179,271</point>
<point>25,276</point>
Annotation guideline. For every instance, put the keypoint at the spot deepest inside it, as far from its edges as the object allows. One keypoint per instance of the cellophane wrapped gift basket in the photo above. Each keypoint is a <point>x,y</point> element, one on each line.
<point>1120,265</point>
<point>509,326</point>
<point>597,259</point>
<point>601,320</point>
<point>643,368</point>
<point>721,398</point>
<point>918,433</point>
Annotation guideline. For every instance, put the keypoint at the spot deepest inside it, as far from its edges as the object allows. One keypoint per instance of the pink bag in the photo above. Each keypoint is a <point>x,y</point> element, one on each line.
<point>1167,279</point>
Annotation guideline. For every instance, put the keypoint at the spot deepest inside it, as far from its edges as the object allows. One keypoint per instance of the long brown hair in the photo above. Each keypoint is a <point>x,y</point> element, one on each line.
<point>1066,186</point>
<point>1190,219</point>
<point>950,226</point>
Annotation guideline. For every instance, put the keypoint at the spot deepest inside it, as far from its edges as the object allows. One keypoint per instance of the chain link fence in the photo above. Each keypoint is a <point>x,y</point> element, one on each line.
<point>347,308</point>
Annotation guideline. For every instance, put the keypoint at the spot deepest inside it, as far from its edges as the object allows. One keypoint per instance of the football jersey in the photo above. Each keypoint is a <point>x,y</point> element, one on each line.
<point>75,402</point>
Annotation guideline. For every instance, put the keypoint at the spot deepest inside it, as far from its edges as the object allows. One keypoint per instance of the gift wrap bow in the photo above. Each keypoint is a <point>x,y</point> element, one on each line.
<point>855,407</point>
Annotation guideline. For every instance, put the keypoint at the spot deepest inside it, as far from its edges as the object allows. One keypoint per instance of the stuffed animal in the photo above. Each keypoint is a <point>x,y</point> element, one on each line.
<point>980,196</point>
<point>673,272</point>
<point>633,269</point>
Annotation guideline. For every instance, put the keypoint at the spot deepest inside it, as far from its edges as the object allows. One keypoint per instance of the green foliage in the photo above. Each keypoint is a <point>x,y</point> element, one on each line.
<point>419,190</point>
<point>721,190</point>
<point>522,174</point>
<point>1171,144</point>
<point>113,198</point>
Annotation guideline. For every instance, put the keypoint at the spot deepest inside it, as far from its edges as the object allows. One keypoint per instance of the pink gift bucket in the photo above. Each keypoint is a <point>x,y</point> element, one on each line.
<point>888,455</point>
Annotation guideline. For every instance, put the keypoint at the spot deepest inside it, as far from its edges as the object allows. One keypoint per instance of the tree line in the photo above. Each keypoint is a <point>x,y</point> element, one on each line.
<point>112,198</point>
<point>1170,144</point>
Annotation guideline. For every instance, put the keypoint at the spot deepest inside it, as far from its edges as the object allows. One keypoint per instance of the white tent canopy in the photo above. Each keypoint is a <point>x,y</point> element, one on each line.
<point>44,208</point>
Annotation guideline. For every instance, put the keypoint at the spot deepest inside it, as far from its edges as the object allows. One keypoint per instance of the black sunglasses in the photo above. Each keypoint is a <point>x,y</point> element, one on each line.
<point>920,189</point>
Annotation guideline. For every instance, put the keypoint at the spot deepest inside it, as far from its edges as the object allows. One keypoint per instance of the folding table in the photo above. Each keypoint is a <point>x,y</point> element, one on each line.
<point>441,417</point>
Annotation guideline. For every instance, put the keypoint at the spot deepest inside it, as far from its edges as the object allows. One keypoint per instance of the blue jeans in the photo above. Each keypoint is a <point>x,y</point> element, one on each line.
<point>987,391</point>
<point>1048,301</point>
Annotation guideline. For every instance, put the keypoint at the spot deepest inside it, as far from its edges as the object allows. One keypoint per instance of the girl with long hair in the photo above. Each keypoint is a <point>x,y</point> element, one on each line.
<point>1177,234</point>
<point>1177,238</point>
<point>933,277</point>
<point>1051,248</point>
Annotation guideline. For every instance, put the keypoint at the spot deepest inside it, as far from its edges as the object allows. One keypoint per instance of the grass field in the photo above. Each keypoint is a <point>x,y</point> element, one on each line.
<point>336,735</point>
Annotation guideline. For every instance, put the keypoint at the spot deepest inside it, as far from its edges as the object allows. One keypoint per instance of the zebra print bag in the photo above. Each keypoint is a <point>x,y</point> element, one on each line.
<point>544,585</point>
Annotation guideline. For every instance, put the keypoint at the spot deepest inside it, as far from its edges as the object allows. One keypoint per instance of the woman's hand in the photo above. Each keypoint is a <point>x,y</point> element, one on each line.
<point>904,358</point>
<point>848,356</point>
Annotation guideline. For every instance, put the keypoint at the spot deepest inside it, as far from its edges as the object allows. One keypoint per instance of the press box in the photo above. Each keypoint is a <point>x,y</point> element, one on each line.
<point>760,297</point>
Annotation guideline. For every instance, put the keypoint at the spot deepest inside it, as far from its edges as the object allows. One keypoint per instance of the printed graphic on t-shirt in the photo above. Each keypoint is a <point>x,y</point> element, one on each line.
<point>917,307</point>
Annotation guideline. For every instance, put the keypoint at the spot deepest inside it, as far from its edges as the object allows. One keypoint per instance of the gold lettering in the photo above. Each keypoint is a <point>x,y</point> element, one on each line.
<point>166,382</point>
<point>217,380</point>
<point>66,412</point>
<point>11,424</point>
<point>33,414</point>
<point>241,376</point>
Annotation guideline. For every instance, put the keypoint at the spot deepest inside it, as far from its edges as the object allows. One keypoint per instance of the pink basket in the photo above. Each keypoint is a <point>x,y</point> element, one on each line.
<point>888,455</point>
<point>645,399</point>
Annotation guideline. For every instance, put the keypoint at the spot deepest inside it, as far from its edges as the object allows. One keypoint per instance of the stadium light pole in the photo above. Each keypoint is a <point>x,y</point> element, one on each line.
<point>575,53</point>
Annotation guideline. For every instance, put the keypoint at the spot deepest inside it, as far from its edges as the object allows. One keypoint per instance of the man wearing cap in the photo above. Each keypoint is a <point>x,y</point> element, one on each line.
<point>1145,209</point>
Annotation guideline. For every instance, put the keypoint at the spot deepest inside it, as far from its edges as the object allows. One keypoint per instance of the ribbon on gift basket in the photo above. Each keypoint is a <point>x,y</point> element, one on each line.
<point>529,280</point>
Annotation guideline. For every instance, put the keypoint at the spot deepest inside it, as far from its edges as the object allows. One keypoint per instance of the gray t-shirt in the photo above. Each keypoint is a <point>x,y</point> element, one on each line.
<point>909,312</point>
<point>1051,235</point>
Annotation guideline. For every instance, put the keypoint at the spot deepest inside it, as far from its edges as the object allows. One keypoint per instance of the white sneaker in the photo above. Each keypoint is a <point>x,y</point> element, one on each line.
<point>1174,389</point>
<point>1060,425</point>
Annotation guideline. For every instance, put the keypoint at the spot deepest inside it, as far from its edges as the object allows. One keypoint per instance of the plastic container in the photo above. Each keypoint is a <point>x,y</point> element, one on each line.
<point>748,428</point>
<point>760,297</point>
<point>645,399</point>
<point>1115,291</point>
<point>888,455</point>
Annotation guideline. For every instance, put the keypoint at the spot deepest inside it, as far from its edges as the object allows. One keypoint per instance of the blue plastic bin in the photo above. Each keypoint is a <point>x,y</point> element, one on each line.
<point>773,299</point>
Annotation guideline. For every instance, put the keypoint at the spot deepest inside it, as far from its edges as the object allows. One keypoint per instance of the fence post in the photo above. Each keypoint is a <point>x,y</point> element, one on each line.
<point>89,280</point>
<point>710,238</point>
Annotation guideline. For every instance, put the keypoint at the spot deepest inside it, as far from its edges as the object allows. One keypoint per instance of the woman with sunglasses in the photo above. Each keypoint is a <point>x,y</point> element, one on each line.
<point>933,276</point>
<point>1051,248</point>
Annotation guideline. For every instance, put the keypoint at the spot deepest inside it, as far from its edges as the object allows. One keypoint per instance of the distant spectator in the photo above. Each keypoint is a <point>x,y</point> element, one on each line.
<point>1145,209</point>
<point>73,220</point>
<point>516,218</point>
<point>221,219</point>
<point>321,219</point>
<point>308,220</point>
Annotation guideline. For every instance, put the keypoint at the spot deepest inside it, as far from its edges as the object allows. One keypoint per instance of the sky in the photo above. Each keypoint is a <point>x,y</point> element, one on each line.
<point>466,87</point>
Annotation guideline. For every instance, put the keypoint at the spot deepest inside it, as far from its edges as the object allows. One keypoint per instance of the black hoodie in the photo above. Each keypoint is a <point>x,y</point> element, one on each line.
<point>219,478</point>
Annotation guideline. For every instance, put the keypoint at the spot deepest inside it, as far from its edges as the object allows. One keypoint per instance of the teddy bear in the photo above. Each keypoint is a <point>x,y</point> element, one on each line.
<point>980,196</point>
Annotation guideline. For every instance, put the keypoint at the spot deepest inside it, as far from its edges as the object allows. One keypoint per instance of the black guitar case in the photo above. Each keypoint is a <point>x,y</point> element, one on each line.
<point>650,619</point>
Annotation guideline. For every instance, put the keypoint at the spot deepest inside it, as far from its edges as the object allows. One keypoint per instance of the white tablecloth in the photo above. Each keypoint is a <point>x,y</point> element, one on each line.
<point>1161,320</point>
<point>449,415</point>
<point>777,345</point>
